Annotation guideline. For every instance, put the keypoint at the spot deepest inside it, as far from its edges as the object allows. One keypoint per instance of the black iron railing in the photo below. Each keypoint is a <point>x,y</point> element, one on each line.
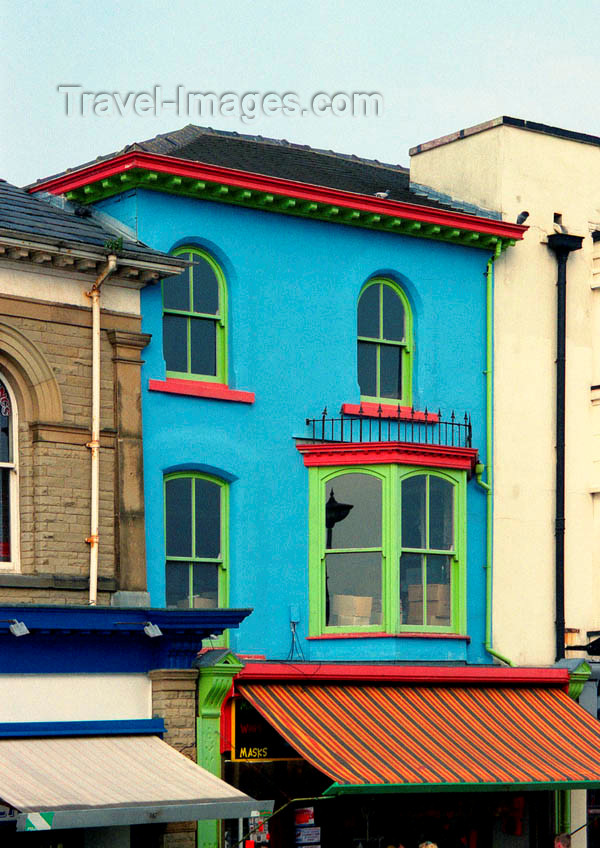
<point>406,426</point>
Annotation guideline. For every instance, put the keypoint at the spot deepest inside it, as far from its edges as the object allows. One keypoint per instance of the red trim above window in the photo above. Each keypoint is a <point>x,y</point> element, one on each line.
<point>388,410</point>
<point>196,388</point>
<point>378,453</point>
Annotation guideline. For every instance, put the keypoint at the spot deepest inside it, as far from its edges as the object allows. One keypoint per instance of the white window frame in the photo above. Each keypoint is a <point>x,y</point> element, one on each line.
<point>14,518</point>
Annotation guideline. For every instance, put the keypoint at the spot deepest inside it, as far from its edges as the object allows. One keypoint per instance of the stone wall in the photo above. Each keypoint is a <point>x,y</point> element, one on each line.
<point>174,698</point>
<point>46,358</point>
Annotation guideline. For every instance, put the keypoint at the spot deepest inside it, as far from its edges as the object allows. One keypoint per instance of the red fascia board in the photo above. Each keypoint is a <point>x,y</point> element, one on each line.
<point>388,410</point>
<point>433,675</point>
<point>197,388</point>
<point>275,185</point>
<point>378,453</point>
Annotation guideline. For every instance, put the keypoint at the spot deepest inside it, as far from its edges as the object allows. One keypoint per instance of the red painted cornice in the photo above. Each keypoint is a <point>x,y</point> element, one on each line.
<point>274,672</point>
<point>378,453</point>
<point>274,185</point>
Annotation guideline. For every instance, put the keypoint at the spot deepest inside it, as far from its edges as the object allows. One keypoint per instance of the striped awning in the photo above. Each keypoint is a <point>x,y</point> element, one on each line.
<point>413,738</point>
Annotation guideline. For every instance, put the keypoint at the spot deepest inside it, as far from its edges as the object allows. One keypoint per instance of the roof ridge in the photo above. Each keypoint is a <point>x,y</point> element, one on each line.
<point>276,142</point>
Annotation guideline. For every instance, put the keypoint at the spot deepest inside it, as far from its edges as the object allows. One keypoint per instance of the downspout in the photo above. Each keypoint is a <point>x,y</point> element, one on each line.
<point>94,443</point>
<point>487,485</point>
<point>561,244</point>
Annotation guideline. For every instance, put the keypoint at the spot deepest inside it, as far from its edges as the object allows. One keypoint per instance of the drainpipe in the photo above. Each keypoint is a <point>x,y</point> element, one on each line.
<point>561,244</point>
<point>94,443</point>
<point>487,486</point>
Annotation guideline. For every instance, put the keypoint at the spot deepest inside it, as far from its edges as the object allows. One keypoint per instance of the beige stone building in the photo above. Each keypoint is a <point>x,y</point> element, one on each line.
<point>516,167</point>
<point>46,339</point>
<point>79,656</point>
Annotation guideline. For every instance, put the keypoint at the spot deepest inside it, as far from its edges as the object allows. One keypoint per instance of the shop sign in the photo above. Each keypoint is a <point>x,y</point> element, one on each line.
<point>308,836</point>
<point>253,738</point>
<point>304,816</point>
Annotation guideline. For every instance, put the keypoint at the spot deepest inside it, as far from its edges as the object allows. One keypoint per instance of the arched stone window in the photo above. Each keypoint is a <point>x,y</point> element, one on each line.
<point>9,479</point>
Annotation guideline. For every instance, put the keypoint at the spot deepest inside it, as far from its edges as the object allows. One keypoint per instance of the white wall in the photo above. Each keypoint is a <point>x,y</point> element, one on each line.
<point>22,279</point>
<point>511,170</point>
<point>74,697</point>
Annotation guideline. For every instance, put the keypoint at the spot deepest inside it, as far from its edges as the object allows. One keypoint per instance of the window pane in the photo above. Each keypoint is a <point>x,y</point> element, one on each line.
<point>414,515</point>
<point>206,287</point>
<point>204,346</point>
<point>208,519</point>
<point>178,517</point>
<point>178,584</point>
<point>176,290</point>
<point>205,586</point>
<point>353,589</point>
<point>175,342</point>
<point>390,371</point>
<point>441,514</point>
<point>411,589</point>
<point>5,412</point>
<point>393,315</point>
<point>368,313</point>
<point>5,514</point>
<point>367,369</point>
<point>438,590</point>
<point>359,526</point>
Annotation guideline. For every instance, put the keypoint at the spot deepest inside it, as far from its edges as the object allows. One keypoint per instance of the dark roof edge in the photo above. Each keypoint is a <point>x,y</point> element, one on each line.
<point>506,120</point>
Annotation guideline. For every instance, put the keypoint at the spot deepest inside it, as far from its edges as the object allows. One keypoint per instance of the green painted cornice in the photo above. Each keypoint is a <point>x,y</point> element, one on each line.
<point>268,201</point>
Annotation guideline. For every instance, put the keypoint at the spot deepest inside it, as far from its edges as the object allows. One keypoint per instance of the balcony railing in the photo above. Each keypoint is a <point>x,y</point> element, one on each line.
<point>425,428</point>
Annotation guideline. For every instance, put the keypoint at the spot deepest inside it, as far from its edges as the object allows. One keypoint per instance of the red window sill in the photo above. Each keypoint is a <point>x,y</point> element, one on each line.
<point>371,635</point>
<point>388,410</point>
<point>197,388</point>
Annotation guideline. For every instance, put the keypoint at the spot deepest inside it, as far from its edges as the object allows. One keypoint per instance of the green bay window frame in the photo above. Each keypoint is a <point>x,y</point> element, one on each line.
<point>218,317</point>
<point>379,342</point>
<point>194,561</point>
<point>391,477</point>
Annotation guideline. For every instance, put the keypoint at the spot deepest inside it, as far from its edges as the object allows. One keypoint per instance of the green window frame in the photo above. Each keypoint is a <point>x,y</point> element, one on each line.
<point>195,319</point>
<point>384,343</point>
<point>437,588</point>
<point>196,513</point>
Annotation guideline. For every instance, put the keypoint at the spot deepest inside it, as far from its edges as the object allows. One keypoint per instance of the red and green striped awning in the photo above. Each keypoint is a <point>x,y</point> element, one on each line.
<point>414,738</point>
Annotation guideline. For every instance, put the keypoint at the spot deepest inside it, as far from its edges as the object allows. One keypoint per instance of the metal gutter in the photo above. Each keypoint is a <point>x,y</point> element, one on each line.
<point>561,244</point>
<point>488,486</point>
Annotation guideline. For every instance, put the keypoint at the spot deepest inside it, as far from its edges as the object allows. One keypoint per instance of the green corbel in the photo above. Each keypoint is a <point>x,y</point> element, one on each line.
<point>578,677</point>
<point>216,670</point>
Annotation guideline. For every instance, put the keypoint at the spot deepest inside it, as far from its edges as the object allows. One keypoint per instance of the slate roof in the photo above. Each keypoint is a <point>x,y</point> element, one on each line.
<point>32,218</point>
<point>282,159</point>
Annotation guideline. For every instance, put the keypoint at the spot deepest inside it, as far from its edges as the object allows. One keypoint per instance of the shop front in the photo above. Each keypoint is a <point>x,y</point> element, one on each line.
<point>378,756</point>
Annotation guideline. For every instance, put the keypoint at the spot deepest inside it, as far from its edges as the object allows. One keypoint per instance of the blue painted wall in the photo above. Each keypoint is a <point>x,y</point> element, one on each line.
<point>293,286</point>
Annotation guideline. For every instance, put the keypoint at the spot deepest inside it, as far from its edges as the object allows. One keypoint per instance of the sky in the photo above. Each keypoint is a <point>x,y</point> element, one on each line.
<point>437,67</point>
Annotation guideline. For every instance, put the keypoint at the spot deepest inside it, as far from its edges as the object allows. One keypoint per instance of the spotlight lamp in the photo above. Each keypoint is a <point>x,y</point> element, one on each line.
<point>152,630</point>
<point>17,628</point>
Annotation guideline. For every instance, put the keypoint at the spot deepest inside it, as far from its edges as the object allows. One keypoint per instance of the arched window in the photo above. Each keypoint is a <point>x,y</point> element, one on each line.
<point>353,549</point>
<point>194,319</point>
<point>195,540</point>
<point>427,549</point>
<point>9,484</point>
<point>387,549</point>
<point>384,343</point>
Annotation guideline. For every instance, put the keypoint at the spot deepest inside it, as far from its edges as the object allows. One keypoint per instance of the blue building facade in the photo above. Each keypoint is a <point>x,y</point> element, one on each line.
<point>317,401</point>
<point>288,291</point>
